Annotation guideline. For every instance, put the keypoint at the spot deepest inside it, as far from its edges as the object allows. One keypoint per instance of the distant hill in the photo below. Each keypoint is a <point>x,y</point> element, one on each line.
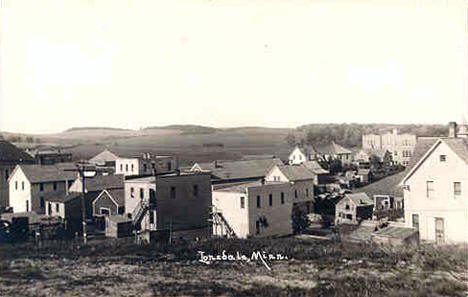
<point>186,129</point>
<point>73,129</point>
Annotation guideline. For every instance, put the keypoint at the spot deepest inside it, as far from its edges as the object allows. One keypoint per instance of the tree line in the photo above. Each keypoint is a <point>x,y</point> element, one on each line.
<point>350,135</point>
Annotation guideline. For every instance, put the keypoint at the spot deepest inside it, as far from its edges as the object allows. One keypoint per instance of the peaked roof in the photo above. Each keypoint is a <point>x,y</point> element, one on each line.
<point>380,153</point>
<point>425,145</point>
<point>385,186</point>
<point>118,195</point>
<point>315,167</point>
<point>360,199</point>
<point>103,157</point>
<point>102,182</point>
<point>296,172</point>
<point>9,153</point>
<point>307,149</point>
<point>239,169</point>
<point>61,197</point>
<point>333,149</point>
<point>46,173</point>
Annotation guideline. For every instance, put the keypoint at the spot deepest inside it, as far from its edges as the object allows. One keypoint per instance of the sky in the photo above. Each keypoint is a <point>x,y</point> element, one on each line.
<point>228,63</point>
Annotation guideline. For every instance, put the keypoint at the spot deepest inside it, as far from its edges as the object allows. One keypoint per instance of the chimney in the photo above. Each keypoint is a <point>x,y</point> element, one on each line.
<point>453,130</point>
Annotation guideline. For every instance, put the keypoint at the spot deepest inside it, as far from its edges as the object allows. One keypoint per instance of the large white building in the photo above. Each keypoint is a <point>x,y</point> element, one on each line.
<point>399,145</point>
<point>254,209</point>
<point>436,189</point>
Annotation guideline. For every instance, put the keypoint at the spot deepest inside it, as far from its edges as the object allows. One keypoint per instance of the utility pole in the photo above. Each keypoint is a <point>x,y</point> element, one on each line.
<point>83,204</point>
<point>81,169</point>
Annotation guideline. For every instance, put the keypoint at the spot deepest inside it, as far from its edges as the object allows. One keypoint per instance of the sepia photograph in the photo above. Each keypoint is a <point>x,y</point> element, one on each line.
<point>275,148</point>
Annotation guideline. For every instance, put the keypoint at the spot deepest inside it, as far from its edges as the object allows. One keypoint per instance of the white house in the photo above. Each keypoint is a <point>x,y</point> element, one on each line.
<point>436,190</point>
<point>252,209</point>
<point>30,185</point>
<point>301,181</point>
<point>301,154</point>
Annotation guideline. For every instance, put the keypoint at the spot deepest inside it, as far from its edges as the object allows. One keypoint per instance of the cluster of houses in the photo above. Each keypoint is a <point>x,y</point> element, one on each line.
<point>151,194</point>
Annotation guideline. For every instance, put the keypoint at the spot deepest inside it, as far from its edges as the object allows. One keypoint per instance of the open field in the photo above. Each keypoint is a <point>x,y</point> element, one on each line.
<point>314,268</point>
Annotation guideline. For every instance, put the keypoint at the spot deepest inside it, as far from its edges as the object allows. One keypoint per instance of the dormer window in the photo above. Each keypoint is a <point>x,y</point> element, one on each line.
<point>443,158</point>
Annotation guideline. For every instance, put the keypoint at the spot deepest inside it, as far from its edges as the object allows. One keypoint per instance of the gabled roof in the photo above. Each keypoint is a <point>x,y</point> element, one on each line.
<point>104,182</point>
<point>315,167</point>
<point>333,149</point>
<point>45,173</point>
<point>360,199</point>
<point>425,146</point>
<point>10,153</point>
<point>385,186</point>
<point>307,150</point>
<point>103,157</point>
<point>238,169</point>
<point>296,172</point>
<point>116,195</point>
<point>380,153</point>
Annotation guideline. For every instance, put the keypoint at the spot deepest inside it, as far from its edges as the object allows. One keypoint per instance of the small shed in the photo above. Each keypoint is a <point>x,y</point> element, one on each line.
<point>396,235</point>
<point>118,226</point>
<point>364,175</point>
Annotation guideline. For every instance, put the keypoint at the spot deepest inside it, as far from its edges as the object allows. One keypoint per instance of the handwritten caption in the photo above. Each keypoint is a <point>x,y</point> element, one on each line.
<point>259,256</point>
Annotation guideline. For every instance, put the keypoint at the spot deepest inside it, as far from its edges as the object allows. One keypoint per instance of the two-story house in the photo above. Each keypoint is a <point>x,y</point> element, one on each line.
<point>436,189</point>
<point>10,156</point>
<point>259,208</point>
<point>30,185</point>
<point>301,154</point>
<point>301,181</point>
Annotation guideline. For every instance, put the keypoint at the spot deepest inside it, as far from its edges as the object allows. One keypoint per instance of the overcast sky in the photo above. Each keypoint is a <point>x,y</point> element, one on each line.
<point>229,63</point>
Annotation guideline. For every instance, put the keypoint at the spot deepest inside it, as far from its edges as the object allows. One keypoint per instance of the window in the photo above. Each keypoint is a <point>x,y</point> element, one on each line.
<point>55,186</point>
<point>152,195</point>
<point>415,221</point>
<point>258,202</point>
<point>126,167</point>
<point>295,193</point>
<point>257,226</point>
<point>173,192</point>
<point>169,166</point>
<point>307,192</point>
<point>142,193</point>
<point>27,205</point>
<point>41,187</point>
<point>57,207</point>
<point>430,189</point>
<point>132,192</point>
<point>145,167</point>
<point>133,167</point>
<point>22,185</point>
<point>121,167</point>
<point>457,189</point>
<point>282,198</point>
<point>151,217</point>
<point>7,174</point>
<point>242,202</point>
<point>16,185</point>
<point>347,207</point>
<point>270,199</point>
<point>105,211</point>
<point>443,158</point>
<point>396,153</point>
<point>42,202</point>
<point>195,190</point>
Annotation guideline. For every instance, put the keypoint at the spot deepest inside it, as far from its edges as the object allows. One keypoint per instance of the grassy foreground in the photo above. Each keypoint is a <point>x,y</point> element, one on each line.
<point>313,268</point>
